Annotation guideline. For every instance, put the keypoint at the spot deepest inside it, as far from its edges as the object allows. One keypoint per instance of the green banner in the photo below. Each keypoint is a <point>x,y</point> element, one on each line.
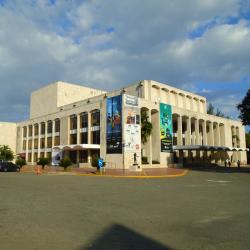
<point>166,127</point>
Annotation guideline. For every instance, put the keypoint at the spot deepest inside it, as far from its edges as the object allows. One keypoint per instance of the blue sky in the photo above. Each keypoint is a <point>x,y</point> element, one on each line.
<point>201,46</point>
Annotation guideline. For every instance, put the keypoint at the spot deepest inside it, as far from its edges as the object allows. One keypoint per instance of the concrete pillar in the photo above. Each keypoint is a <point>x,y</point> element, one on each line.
<point>89,128</point>
<point>149,142</point>
<point>53,134</point>
<point>32,145</point>
<point>78,129</point>
<point>179,131</point>
<point>211,133</point>
<point>197,134</point>
<point>39,138</point>
<point>188,132</point>
<point>204,133</point>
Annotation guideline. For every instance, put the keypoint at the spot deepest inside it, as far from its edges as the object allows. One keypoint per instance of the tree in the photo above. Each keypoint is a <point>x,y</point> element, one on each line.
<point>248,140</point>
<point>218,112</point>
<point>20,161</point>
<point>244,108</point>
<point>43,161</point>
<point>146,127</point>
<point>65,162</point>
<point>6,154</point>
<point>210,109</point>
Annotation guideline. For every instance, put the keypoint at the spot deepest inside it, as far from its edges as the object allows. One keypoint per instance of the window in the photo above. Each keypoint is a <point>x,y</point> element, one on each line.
<point>96,137</point>
<point>84,120</point>
<point>57,125</point>
<point>83,156</point>
<point>49,142</point>
<point>36,129</point>
<point>30,130</point>
<point>42,128</point>
<point>57,140</point>
<point>49,128</point>
<point>42,143</point>
<point>24,144</point>
<point>36,144</point>
<point>73,139</point>
<point>24,131</point>
<point>84,138</point>
<point>95,118</point>
<point>73,122</point>
<point>30,144</point>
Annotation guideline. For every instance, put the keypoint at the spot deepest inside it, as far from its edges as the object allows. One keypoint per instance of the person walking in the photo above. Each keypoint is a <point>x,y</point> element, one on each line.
<point>225,162</point>
<point>229,164</point>
<point>238,163</point>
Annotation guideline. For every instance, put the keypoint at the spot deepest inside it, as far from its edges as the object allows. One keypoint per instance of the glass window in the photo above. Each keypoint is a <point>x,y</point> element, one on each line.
<point>96,137</point>
<point>24,144</point>
<point>36,129</point>
<point>84,120</point>
<point>30,130</point>
<point>42,128</point>
<point>83,156</point>
<point>49,128</point>
<point>95,118</point>
<point>49,142</point>
<point>42,143</point>
<point>73,139</point>
<point>24,131</point>
<point>84,138</point>
<point>36,144</point>
<point>73,122</point>
<point>57,125</point>
<point>57,140</point>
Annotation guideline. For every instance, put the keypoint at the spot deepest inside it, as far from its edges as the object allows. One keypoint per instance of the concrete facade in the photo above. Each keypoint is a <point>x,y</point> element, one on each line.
<point>8,134</point>
<point>73,119</point>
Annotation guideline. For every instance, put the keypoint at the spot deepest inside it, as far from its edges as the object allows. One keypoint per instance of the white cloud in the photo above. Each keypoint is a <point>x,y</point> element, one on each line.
<point>111,43</point>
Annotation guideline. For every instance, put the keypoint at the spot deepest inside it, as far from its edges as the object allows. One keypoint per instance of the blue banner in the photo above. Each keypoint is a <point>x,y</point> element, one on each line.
<point>114,125</point>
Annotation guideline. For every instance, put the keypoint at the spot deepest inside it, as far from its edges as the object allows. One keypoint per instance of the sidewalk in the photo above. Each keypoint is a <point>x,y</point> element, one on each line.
<point>145,173</point>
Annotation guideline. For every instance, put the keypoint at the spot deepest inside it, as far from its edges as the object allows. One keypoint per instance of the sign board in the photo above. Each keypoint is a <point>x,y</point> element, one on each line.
<point>100,163</point>
<point>57,155</point>
<point>132,130</point>
<point>166,127</point>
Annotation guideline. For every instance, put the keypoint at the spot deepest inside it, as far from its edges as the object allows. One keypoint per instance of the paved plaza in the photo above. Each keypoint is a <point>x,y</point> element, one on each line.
<point>201,210</point>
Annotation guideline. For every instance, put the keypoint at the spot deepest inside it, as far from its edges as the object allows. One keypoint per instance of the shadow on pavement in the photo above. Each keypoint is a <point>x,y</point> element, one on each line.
<point>218,168</point>
<point>123,238</point>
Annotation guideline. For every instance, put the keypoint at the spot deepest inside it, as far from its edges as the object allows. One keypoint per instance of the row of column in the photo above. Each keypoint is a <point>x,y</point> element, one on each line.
<point>214,136</point>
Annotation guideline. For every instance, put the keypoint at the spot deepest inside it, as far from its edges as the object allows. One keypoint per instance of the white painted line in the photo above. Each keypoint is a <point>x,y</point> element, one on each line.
<point>220,181</point>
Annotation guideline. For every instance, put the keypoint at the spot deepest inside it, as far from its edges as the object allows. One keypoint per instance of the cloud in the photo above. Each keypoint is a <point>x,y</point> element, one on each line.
<point>108,44</point>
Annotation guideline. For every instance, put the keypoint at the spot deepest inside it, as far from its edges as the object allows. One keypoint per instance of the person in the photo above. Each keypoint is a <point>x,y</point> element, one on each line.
<point>238,163</point>
<point>225,162</point>
<point>229,164</point>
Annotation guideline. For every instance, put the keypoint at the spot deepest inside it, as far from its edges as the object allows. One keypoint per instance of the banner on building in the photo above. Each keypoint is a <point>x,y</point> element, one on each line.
<point>57,155</point>
<point>166,127</point>
<point>114,125</point>
<point>132,132</point>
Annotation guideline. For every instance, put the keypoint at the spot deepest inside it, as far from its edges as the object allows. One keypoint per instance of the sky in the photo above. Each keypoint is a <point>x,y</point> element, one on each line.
<point>200,46</point>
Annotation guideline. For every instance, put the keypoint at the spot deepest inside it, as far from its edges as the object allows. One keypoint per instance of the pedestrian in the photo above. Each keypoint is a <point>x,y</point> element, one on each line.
<point>225,162</point>
<point>229,164</point>
<point>238,163</point>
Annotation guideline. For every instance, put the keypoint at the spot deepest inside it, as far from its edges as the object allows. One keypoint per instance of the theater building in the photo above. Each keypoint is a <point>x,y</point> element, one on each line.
<point>80,122</point>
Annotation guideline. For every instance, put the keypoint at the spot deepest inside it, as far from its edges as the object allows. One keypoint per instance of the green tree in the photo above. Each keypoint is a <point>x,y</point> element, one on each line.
<point>244,108</point>
<point>146,127</point>
<point>43,161</point>
<point>65,162</point>
<point>20,161</point>
<point>248,140</point>
<point>6,154</point>
<point>210,109</point>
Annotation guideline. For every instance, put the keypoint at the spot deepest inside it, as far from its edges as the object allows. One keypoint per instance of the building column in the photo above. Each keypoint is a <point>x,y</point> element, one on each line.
<point>179,131</point>
<point>78,128</point>
<point>188,132</point>
<point>204,133</point>
<point>32,144</point>
<point>53,134</point>
<point>217,135</point>
<point>39,138</point>
<point>89,128</point>
<point>211,134</point>
<point>197,134</point>
<point>45,139</point>
<point>149,142</point>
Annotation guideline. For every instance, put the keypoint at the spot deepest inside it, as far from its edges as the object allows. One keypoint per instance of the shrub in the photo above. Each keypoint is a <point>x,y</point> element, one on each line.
<point>65,162</point>
<point>155,162</point>
<point>94,161</point>
<point>20,162</point>
<point>43,161</point>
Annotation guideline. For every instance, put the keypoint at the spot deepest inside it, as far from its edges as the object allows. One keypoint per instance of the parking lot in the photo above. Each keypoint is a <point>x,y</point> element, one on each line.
<point>202,210</point>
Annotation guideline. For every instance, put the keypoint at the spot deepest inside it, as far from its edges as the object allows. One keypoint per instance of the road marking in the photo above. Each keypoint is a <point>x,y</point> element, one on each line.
<point>220,181</point>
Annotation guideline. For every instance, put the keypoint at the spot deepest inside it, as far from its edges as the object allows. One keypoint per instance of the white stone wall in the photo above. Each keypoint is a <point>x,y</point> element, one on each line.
<point>8,134</point>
